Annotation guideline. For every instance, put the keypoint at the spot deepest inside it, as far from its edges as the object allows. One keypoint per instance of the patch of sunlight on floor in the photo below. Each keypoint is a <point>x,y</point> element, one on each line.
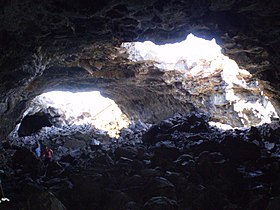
<point>221,125</point>
<point>200,58</point>
<point>85,108</point>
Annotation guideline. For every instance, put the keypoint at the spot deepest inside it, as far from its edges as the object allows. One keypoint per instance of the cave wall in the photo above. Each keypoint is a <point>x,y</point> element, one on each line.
<point>38,36</point>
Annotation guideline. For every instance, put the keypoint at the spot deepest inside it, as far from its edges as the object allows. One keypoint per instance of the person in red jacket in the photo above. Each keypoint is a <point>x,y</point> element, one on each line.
<point>48,154</point>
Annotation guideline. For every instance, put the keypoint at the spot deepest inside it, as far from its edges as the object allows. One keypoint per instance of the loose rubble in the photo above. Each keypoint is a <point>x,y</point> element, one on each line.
<point>180,163</point>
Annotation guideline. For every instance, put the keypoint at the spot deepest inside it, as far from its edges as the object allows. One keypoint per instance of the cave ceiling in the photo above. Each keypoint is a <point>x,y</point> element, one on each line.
<point>75,45</point>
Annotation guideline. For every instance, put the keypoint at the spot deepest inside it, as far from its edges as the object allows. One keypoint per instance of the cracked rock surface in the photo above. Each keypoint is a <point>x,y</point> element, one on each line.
<point>74,45</point>
<point>180,163</point>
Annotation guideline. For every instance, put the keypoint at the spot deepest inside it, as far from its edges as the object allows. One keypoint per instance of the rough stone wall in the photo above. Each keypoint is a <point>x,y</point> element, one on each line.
<point>40,35</point>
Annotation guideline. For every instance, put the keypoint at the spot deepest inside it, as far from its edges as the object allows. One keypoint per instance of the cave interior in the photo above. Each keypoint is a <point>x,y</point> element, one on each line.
<point>197,133</point>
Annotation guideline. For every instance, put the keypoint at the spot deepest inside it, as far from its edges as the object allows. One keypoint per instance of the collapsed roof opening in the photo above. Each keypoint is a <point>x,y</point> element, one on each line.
<point>62,109</point>
<point>215,83</point>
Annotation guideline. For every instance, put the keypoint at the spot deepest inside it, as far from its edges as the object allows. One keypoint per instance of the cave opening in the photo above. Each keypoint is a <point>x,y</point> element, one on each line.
<point>61,112</point>
<point>169,157</point>
<point>231,95</point>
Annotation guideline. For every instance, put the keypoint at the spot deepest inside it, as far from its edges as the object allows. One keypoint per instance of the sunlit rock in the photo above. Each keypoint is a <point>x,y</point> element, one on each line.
<point>215,83</point>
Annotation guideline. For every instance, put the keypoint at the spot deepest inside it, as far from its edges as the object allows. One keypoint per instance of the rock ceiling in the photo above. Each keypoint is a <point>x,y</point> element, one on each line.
<point>75,45</point>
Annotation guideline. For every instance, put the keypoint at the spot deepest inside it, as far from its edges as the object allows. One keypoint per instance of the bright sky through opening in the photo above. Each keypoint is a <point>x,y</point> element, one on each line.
<point>186,56</point>
<point>197,57</point>
<point>192,47</point>
<point>87,108</point>
<point>166,56</point>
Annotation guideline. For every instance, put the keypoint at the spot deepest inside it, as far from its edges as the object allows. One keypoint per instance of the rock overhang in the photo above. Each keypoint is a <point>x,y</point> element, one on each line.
<point>67,34</point>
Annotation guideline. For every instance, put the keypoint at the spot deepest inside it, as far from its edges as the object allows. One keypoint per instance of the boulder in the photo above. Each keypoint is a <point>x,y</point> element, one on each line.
<point>27,161</point>
<point>40,199</point>
<point>160,203</point>
<point>239,150</point>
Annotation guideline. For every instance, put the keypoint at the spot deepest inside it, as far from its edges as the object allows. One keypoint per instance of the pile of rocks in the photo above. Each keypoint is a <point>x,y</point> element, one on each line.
<point>180,163</point>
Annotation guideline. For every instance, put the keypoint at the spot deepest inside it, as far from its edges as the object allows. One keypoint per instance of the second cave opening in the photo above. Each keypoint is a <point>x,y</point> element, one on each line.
<point>60,113</point>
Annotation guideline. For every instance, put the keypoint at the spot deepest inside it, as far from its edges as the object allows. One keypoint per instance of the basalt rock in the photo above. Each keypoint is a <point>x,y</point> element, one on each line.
<point>27,162</point>
<point>38,198</point>
<point>160,202</point>
<point>198,169</point>
<point>76,46</point>
<point>240,150</point>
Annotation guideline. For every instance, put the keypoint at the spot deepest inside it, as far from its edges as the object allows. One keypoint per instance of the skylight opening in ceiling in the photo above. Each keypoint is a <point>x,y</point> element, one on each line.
<point>197,58</point>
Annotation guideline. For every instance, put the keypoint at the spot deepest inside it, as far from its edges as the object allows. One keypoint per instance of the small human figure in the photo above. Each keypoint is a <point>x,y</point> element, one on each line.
<point>48,153</point>
<point>38,150</point>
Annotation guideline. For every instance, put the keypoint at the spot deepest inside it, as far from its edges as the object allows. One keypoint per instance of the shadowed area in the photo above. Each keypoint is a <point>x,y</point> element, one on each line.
<point>172,155</point>
<point>32,123</point>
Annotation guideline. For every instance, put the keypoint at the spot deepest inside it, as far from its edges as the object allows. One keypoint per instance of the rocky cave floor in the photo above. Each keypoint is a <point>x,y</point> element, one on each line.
<point>180,163</point>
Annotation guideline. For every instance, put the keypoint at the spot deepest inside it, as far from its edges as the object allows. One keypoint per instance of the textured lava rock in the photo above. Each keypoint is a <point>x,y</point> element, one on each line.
<point>27,161</point>
<point>191,169</point>
<point>160,202</point>
<point>67,45</point>
<point>76,46</point>
<point>241,150</point>
<point>41,199</point>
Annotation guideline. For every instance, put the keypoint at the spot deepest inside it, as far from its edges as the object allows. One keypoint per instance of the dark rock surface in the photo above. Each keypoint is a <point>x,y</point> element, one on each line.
<point>75,45</point>
<point>179,163</point>
<point>202,167</point>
